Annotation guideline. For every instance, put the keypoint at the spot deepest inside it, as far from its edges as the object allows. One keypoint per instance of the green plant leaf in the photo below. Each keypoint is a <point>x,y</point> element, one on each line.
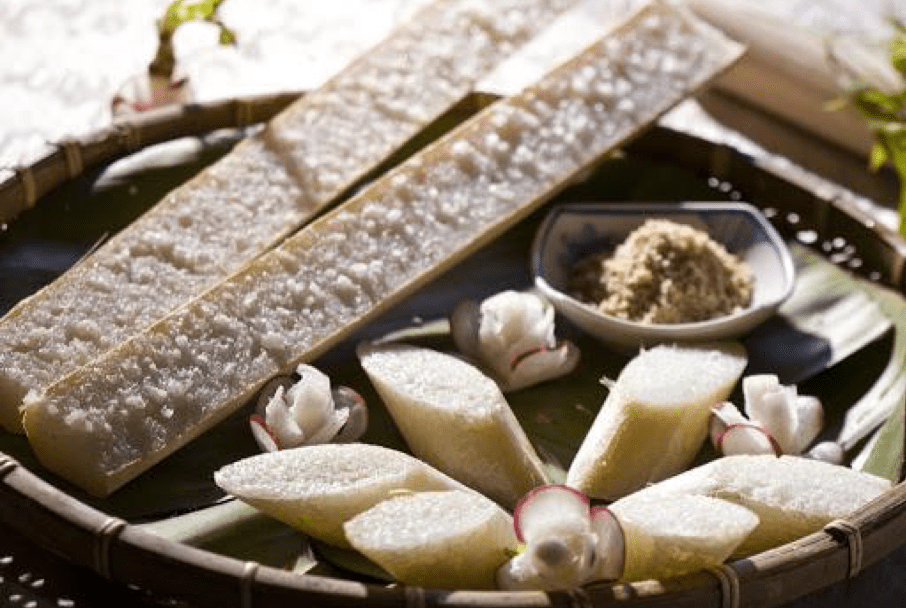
<point>878,105</point>
<point>885,113</point>
<point>227,36</point>
<point>177,13</point>
<point>893,139</point>
<point>898,53</point>
<point>183,11</point>
<point>878,156</point>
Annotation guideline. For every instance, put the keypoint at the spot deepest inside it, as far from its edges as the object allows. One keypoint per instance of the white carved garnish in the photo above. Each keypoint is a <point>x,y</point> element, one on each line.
<point>511,334</point>
<point>566,542</point>
<point>733,433</point>
<point>778,420</point>
<point>307,412</point>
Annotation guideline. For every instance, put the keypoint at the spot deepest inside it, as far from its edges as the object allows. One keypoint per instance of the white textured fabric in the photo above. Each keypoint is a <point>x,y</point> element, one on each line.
<point>64,60</point>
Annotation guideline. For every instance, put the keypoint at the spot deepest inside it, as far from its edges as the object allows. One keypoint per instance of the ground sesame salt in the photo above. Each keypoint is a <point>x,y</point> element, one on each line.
<point>664,272</point>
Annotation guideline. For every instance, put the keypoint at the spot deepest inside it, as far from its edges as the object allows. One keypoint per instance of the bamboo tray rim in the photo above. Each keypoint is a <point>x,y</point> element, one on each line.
<point>125,553</point>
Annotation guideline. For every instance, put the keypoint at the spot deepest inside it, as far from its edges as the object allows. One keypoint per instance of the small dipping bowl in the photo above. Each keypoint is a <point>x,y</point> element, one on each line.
<point>573,231</point>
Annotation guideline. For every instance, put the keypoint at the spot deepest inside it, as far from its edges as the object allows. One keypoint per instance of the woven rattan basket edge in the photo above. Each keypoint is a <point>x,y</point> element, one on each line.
<point>70,158</point>
<point>87,537</point>
<point>90,538</point>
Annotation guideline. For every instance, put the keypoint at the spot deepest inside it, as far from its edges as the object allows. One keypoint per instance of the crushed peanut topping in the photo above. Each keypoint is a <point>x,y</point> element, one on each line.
<point>664,272</point>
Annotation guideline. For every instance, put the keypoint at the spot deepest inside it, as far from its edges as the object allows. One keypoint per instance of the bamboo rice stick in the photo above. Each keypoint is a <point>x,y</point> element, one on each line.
<point>112,419</point>
<point>269,185</point>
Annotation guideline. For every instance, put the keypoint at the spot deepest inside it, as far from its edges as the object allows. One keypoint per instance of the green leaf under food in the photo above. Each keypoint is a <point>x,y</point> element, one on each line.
<point>237,530</point>
<point>828,317</point>
<point>883,455</point>
<point>889,391</point>
<point>884,403</point>
<point>351,561</point>
<point>205,525</point>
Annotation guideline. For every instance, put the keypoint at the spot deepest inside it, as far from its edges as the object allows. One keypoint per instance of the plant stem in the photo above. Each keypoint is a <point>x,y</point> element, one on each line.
<point>164,61</point>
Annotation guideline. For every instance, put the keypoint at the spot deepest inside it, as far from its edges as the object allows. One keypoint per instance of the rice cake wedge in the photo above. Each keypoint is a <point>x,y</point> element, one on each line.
<point>117,416</point>
<point>440,540</point>
<point>792,496</point>
<point>455,418</point>
<point>655,418</point>
<point>266,188</point>
<point>317,488</point>
<point>666,537</point>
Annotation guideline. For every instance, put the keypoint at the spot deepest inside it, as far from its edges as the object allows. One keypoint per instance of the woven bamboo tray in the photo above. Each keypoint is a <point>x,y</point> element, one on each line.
<point>86,536</point>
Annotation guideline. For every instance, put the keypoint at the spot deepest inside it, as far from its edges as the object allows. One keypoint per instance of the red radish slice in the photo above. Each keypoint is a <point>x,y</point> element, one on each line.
<point>266,440</point>
<point>723,415</point>
<point>732,433</point>
<point>357,421</point>
<point>523,356</point>
<point>747,438</point>
<point>465,321</point>
<point>541,364</point>
<point>554,509</point>
<point>610,551</point>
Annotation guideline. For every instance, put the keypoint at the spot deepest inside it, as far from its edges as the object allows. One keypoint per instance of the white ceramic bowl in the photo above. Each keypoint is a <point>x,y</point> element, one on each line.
<point>572,231</point>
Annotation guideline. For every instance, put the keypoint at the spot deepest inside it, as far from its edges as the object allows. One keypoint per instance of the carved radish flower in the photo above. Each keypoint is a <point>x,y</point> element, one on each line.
<point>566,542</point>
<point>777,420</point>
<point>512,335</point>
<point>291,414</point>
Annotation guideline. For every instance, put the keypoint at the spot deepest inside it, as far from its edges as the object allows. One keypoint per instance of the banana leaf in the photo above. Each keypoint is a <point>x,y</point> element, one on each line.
<point>884,404</point>
<point>889,392</point>
<point>883,454</point>
<point>829,316</point>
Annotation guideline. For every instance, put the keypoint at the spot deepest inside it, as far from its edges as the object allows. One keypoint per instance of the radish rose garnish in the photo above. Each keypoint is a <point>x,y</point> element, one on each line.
<point>512,335</point>
<point>307,412</point>
<point>778,420</point>
<point>567,542</point>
